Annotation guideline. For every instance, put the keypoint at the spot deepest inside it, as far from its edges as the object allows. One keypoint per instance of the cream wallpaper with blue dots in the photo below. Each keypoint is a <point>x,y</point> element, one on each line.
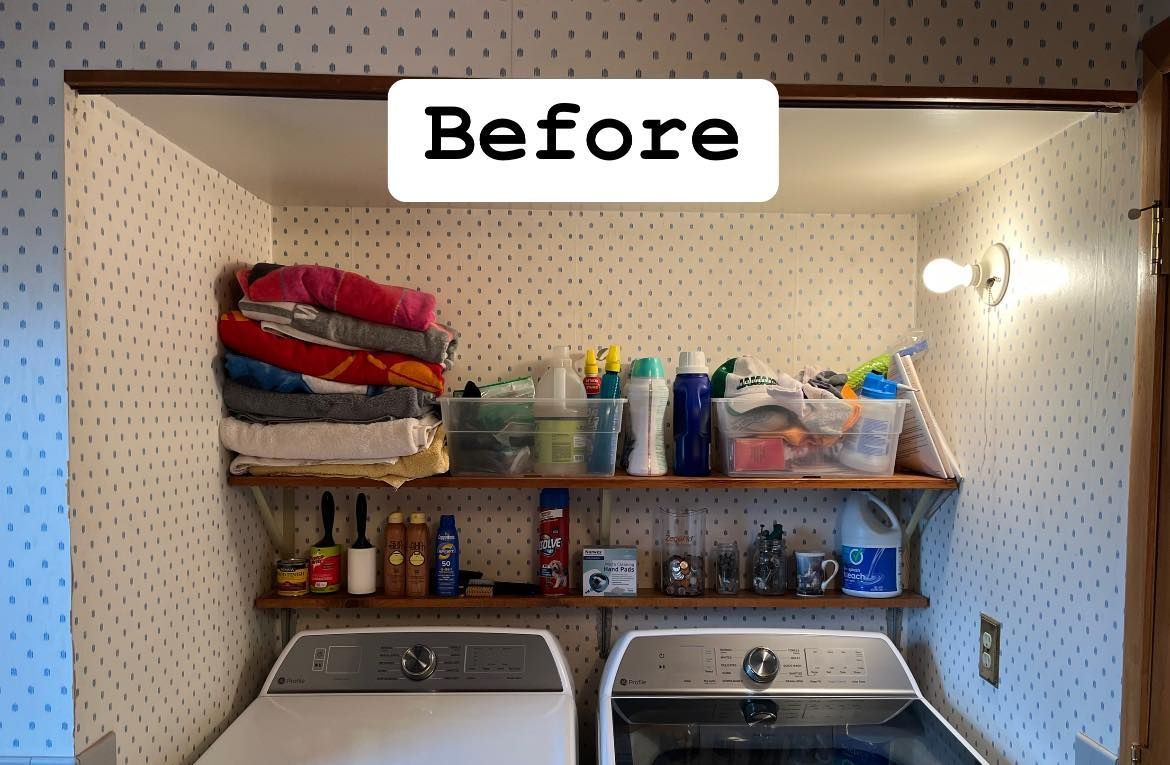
<point>167,559</point>
<point>1021,43</point>
<point>1035,396</point>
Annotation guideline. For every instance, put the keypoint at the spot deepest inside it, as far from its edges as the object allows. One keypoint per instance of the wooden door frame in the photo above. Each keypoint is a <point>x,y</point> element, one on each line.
<point>1145,714</point>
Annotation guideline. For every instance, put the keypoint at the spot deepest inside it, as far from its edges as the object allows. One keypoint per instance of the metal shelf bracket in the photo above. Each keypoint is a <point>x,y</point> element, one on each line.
<point>282,530</point>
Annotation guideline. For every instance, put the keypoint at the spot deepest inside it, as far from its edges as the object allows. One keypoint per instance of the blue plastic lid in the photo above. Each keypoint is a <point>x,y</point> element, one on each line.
<point>447,520</point>
<point>554,497</point>
<point>876,386</point>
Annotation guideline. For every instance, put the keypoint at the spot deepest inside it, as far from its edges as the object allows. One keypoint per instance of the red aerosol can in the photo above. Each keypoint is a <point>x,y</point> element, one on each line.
<point>552,542</point>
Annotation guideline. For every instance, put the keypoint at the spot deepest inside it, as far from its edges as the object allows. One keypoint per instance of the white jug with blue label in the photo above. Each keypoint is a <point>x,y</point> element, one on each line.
<point>871,548</point>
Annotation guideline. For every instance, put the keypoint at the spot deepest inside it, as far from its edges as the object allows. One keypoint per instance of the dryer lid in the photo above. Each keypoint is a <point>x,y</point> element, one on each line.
<point>374,729</point>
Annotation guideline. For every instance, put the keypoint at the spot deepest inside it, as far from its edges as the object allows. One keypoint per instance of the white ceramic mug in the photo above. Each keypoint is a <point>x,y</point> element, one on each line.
<point>812,574</point>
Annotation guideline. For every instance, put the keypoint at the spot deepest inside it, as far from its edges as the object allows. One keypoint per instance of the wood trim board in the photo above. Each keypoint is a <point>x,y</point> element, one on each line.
<point>1145,714</point>
<point>796,95</point>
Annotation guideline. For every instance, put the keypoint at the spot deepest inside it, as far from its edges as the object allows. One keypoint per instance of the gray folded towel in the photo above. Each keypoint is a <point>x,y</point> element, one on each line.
<point>263,406</point>
<point>316,325</point>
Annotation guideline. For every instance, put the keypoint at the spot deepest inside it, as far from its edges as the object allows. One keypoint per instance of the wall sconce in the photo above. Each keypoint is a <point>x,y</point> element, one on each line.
<point>990,275</point>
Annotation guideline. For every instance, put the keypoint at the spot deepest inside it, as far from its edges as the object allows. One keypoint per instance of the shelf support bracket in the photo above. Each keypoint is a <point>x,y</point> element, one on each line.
<point>606,516</point>
<point>604,631</point>
<point>282,533</point>
<point>288,622</point>
<point>894,626</point>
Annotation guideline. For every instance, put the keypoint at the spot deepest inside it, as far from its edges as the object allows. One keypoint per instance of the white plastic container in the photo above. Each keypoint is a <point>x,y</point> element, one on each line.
<point>871,548</point>
<point>648,394</point>
<point>562,443</point>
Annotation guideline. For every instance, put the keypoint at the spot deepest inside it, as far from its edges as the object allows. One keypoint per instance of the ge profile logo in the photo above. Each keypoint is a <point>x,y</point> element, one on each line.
<point>623,681</point>
<point>280,681</point>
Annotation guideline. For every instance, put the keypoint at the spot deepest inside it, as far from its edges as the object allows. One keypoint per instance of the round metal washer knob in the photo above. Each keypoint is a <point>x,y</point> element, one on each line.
<point>761,665</point>
<point>418,662</point>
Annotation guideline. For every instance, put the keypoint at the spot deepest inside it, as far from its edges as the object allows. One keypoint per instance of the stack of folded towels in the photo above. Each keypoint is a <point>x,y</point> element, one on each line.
<point>330,374</point>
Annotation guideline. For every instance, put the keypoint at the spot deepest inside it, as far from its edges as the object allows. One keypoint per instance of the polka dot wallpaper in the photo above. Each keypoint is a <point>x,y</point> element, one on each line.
<point>166,558</point>
<point>518,281</point>
<point>1035,396</point>
<point>1021,43</point>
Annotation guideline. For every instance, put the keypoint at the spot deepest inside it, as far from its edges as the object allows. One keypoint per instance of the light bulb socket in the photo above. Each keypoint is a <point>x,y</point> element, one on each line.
<point>992,273</point>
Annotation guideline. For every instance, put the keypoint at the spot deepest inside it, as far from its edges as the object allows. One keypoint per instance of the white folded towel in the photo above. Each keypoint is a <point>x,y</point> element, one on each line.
<point>329,440</point>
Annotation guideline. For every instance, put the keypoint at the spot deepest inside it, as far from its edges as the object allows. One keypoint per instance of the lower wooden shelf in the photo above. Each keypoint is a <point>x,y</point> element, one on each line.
<point>644,599</point>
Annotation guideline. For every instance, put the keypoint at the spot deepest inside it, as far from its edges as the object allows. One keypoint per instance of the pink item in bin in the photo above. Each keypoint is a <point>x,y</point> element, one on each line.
<point>758,454</point>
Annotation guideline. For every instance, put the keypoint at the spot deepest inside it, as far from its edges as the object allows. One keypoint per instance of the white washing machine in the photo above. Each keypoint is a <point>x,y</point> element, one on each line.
<point>766,697</point>
<point>410,695</point>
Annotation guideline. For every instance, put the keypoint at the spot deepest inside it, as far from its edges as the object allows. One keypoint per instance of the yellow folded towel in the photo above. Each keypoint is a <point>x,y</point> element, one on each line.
<point>433,460</point>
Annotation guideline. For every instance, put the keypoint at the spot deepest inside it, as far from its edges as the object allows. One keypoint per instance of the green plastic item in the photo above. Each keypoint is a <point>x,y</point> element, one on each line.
<point>878,365</point>
<point>647,367</point>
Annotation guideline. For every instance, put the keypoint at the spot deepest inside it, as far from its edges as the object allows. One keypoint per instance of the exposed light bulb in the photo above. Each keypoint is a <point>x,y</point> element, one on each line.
<point>943,275</point>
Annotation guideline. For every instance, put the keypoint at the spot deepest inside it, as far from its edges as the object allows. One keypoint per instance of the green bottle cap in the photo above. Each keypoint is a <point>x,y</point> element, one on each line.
<point>647,367</point>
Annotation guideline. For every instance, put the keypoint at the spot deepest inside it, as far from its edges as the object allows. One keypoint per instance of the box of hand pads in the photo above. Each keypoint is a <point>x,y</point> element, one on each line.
<point>610,571</point>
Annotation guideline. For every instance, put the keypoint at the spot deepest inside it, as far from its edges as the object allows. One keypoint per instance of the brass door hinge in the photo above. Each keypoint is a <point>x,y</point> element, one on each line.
<point>1157,264</point>
<point>1135,754</point>
<point>1157,260</point>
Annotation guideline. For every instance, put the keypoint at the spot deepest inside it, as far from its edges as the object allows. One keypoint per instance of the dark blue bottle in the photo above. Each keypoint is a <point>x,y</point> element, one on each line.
<point>447,558</point>
<point>692,415</point>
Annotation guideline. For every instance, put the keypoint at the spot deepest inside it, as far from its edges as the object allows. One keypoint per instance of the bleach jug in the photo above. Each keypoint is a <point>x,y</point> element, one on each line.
<point>871,548</point>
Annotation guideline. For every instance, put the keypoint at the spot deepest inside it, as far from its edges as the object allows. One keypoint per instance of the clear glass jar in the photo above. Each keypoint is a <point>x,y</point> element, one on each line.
<point>768,574</point>
<point>682,537</point>
<point>727,568</point>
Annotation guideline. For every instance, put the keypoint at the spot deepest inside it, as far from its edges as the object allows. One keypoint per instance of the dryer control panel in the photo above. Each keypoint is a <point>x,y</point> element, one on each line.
<point>776,662</point>
<point>409,661</point>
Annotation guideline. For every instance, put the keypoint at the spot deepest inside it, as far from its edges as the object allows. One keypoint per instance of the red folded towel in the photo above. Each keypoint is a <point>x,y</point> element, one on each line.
<point>245,336</point>
<point>341,291</point>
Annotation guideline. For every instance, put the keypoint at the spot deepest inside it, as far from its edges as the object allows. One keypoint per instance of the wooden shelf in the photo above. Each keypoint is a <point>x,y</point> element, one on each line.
<point>619,481</point>
<point>645,599</point>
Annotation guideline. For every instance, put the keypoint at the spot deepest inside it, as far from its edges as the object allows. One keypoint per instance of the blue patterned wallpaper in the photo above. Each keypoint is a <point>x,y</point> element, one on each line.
<point>1024,43</point>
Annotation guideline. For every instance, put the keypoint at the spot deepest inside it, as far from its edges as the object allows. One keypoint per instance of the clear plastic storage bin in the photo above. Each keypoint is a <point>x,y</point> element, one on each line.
<point>532,436</point>
<point>808,438</point>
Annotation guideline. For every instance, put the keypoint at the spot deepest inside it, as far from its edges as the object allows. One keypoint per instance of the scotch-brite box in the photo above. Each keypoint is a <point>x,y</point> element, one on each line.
<point>610,571</point>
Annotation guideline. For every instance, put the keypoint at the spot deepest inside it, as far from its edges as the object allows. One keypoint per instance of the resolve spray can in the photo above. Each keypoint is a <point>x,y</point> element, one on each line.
<point>552,542</point>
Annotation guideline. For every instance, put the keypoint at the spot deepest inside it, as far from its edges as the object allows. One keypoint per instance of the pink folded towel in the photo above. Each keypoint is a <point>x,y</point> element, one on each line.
<point>341,291</point>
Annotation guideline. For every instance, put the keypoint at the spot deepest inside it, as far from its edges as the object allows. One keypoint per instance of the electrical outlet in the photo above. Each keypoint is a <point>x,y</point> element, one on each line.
<point>989,649</point>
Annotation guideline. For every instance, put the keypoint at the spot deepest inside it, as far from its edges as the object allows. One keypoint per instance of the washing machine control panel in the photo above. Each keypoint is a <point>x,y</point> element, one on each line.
<point>402,661</point>
<point>722,662</point>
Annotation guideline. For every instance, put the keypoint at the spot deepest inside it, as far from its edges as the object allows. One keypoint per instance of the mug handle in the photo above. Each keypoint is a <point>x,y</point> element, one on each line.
<point>829,577</point>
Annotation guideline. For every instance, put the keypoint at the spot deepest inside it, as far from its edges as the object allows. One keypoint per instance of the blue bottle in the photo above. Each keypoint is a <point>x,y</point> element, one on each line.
<point>601,460</point>
<point>447,558</point>
<point>692,415</point>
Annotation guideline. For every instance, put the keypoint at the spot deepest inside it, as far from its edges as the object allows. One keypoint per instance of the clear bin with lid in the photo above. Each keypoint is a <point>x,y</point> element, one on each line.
<point>532,436</point>
<point>809,438</point>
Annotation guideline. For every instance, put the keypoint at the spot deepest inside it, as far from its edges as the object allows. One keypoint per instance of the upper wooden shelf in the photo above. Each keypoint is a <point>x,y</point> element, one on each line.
<point>619,481</point>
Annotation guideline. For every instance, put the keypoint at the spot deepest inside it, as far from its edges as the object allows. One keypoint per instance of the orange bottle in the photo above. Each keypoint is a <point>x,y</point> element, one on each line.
<point>417,552</point>
<point>394,566</point>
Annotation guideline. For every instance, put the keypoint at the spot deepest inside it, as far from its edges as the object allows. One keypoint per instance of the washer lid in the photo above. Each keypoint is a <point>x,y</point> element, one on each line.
<point>358,729</point>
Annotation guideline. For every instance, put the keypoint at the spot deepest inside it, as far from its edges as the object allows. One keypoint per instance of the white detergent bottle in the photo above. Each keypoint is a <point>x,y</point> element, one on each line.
<point>561,421</point>
<point>871,548</point>
<point>648,394</point>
